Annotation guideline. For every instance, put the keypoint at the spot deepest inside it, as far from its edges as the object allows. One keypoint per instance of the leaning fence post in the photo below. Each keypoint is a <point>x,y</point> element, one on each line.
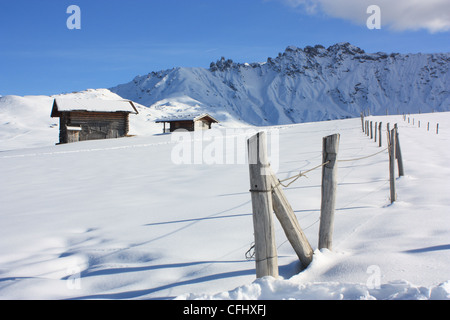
<point>260,188</point>
<point>398,153</point>
<point>329,184</point>
<point>391,148</point>
<point>289,222</point>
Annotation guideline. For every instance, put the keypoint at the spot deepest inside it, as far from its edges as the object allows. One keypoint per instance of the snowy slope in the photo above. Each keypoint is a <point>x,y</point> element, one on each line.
<point>301,85</point>
<point>25,122</point>
<point>119,219</point>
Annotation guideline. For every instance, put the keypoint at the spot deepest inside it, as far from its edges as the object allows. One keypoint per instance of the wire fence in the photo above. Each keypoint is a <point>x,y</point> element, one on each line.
<point>303,173</point>
<point>393,149</point>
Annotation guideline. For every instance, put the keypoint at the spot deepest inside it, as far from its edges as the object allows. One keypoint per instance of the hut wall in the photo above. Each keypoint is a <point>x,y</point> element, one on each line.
<point>95,125</point>
<point>187,125</point>
<point>73,136</point>
<point>202,124</point>
<point>63,138</point>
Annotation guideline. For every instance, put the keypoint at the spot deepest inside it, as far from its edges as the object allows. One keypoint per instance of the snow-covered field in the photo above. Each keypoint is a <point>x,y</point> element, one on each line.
<point>120,219</point>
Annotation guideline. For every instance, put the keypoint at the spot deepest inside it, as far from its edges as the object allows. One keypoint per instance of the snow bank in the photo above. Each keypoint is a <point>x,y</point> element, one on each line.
<point>269,288</point>
<point>276,289</point>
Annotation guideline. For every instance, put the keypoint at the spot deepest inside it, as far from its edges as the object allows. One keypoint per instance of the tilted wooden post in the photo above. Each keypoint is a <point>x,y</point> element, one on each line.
<point>261,193</point>
<point>329,185</point>
<point>391,148</point>
<point>398,153</point>
<point>289,222</point>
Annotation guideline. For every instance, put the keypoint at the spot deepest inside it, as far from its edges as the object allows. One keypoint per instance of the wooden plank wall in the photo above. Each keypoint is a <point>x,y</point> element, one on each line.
<point>95,125</point>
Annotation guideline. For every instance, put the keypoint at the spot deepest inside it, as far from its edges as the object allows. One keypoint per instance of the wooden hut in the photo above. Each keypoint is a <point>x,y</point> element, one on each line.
<point>189,122</point>
<point>92,119</point>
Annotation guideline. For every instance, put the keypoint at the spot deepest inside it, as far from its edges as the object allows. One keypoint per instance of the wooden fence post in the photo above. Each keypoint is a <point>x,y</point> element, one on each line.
<point>289,222</point>
<point>329,184</point>
<point>260,187</point>
<point>376,130</point>
<point>391,147</point>
<point>380,143</point>
<point>362,121</point>
<point>371,129</point>
<point>398,153</point>
<point>437,128</point>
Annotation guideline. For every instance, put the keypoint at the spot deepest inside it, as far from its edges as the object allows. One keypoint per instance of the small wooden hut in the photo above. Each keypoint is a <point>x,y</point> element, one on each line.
<point>92,119</point>
<point>189,122</point>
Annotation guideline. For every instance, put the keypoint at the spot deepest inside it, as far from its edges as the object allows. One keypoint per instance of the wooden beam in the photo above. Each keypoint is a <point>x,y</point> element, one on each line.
<point>289,222</point>
<point>391,145</point>
<point>398,153</point>
<point>329,186</point>
<point>261,194</point>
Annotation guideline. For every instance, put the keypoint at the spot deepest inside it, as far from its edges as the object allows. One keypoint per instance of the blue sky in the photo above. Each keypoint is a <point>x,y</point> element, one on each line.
<point>121,39</point>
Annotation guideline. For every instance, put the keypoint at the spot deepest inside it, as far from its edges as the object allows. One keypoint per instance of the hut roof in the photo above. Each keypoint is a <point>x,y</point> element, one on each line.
<point>187,117</point>
<point>92,105</point>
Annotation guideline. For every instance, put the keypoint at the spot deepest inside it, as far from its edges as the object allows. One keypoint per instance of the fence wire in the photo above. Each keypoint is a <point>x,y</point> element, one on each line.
<point>303,173</point>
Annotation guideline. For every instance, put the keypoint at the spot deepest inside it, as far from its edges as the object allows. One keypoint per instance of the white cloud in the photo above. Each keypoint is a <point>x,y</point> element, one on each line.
<point>399,15</point>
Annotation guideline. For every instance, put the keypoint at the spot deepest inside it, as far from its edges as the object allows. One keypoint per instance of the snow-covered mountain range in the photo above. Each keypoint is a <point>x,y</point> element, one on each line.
<point>300,85</point>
